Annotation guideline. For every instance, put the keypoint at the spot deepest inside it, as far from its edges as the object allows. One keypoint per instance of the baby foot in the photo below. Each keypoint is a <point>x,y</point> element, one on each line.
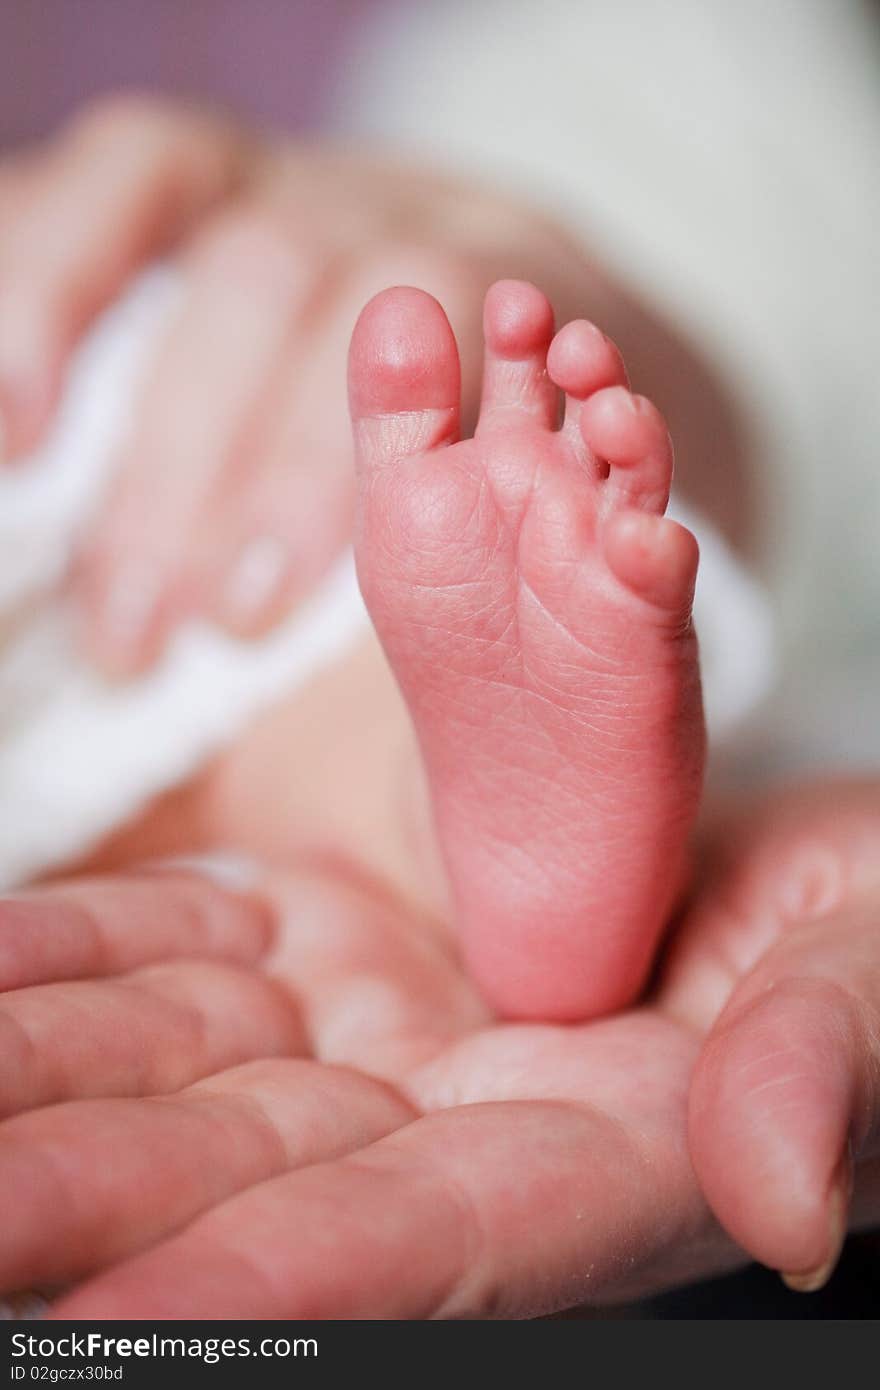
<point>535,606</point>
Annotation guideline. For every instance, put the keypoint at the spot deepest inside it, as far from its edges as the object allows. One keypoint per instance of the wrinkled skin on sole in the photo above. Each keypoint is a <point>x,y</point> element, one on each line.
<point>534,604</point>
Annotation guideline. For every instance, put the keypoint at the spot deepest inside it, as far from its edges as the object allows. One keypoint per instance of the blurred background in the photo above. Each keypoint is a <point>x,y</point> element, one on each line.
<point>723,158</point>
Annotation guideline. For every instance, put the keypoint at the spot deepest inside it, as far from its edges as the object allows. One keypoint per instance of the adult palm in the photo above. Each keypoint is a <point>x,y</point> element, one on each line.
<point>306,1111</point>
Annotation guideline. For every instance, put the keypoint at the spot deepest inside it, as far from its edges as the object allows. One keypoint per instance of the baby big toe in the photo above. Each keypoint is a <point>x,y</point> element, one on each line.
<point>404,379</point>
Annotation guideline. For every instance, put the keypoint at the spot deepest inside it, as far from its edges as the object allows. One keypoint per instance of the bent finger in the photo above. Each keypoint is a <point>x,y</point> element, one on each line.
<point>276,531</point>
<point>124,180</point>
<point>244,287</point>
<point>785,1100</point>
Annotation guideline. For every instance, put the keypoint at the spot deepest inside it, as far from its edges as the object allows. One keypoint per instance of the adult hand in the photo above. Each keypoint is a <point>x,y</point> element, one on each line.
<point>424,1162</point>
<point>427,1161</point>
<point>779,964</point>
<point>235,491</point>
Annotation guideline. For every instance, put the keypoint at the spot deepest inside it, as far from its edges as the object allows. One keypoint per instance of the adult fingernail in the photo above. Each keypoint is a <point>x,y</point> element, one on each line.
<point>810,1281</point>
<point>255,582</point>
<point>124,616</point>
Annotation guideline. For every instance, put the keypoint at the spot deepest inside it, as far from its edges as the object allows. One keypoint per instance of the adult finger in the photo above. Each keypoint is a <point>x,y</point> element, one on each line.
<point>102,926</point>
<point>785,1101</point>
<point>776,963</point>
<point>245,286</point>
<point>149,1032</point>
<point>69,1209</point>
<point>125,179</point>
<point>274,530</point>
<point>506,1208</point>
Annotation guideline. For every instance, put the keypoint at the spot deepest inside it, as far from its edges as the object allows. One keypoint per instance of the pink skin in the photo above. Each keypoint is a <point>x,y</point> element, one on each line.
<point>535,607</point>
<point>431,1161</point>
<point>785,1099</point>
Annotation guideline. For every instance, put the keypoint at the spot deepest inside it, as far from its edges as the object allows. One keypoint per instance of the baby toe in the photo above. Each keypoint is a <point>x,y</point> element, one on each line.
<point>630,435</point>
<point>517,327</point>
<point>653,556</point>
